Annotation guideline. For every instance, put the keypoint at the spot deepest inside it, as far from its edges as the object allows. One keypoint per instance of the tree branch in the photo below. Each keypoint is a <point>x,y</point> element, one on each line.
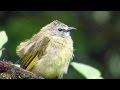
<point>9,70</point>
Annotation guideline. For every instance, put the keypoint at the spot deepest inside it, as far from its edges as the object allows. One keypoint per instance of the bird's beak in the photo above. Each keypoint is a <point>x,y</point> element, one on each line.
<point>71,29</point>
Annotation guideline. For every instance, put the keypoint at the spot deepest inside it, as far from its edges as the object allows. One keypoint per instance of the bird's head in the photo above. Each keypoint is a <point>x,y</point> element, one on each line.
<point>59,29</point>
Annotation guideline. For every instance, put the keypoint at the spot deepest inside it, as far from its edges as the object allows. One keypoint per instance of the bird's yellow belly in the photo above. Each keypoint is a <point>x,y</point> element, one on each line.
<point>55,61</point>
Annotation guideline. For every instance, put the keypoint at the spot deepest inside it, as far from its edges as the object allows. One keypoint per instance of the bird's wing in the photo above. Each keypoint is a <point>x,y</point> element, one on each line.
<point>21,49</point>
<point>34,53</point>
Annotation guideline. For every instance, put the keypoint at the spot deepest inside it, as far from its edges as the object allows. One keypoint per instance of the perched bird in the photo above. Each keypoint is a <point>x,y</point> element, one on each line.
<point>49,52</point>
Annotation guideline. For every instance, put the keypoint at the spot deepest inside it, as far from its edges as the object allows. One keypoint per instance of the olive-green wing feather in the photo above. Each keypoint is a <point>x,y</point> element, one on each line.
<point>29,61</point>
<point>34,53</point>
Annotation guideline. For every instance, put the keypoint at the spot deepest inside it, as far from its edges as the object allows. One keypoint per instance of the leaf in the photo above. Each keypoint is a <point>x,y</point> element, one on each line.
<point>3,38</point>
<point>0,53</point>
<point>88,71</point>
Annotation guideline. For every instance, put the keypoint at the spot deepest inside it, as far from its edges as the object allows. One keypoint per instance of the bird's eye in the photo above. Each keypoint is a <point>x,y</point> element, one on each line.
<point>60,29</point>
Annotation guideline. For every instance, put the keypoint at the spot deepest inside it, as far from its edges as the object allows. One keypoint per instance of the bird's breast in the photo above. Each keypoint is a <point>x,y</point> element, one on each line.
<point>56,58</point>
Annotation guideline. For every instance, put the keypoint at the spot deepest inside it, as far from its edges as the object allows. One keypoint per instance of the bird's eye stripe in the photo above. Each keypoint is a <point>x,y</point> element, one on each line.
<point>60,29</point>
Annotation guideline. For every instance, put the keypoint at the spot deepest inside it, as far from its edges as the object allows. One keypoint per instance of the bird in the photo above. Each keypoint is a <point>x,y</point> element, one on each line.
<point>49,52</point>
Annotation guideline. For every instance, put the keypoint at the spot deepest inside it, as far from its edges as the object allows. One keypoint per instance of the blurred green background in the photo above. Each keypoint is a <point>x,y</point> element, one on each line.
<point>96,42</point>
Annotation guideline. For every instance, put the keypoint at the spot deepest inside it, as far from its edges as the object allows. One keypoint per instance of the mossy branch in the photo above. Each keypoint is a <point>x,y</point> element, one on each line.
<point>9,70</point>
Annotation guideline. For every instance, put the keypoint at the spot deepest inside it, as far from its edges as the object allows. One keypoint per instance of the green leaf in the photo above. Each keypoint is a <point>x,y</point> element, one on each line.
<point>0,53</point>
<point>3,38</point>
<point>88,71</point>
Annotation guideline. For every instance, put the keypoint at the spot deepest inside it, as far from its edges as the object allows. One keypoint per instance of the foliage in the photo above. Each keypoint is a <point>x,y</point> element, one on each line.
<point>3,40</point>
<point>87,71</point>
